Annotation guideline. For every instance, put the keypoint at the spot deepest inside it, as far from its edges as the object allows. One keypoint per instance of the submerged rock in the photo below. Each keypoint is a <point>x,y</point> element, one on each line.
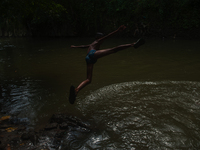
<point>64,125</point>
<point>51,126</point>
<point>50,137</point>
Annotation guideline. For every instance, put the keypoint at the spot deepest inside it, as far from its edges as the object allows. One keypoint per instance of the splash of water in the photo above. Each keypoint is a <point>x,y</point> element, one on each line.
<point>152,115</point>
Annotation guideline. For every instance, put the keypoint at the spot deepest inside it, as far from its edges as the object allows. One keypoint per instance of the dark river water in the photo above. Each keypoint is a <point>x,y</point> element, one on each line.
<point>145,98</point>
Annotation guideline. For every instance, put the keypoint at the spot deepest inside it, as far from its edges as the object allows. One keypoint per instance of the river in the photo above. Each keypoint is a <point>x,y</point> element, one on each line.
<point>145,98</point>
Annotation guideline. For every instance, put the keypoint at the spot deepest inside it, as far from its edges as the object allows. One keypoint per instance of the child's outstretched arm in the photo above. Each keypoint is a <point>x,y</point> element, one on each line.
<point>81,46</point>
<point>121,28</point>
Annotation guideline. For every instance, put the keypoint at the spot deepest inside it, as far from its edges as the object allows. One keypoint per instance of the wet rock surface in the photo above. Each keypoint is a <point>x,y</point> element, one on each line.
<point>17,136</point>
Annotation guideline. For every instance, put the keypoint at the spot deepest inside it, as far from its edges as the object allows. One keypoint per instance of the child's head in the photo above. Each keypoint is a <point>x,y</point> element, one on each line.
<point>98,35</point>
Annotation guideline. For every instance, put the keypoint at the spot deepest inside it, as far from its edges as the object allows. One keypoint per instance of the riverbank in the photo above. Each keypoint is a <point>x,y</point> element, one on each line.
<point>192,33</point>
<point>16,135</point>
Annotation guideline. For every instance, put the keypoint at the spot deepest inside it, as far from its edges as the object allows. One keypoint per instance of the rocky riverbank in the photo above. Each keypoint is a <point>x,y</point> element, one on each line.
<point>15,135</point>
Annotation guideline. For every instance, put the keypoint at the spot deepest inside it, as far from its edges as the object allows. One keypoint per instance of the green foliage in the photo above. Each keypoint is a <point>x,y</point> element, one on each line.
<point>36,14</point>
<point>44,10</point>
<point>85,17</point>
<point>44,16</point>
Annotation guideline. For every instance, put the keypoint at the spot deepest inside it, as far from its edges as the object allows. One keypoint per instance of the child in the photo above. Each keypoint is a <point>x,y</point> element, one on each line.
<point>94,53</point>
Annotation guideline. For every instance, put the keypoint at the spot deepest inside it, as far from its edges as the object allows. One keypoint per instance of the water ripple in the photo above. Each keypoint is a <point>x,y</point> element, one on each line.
<point>146,115</point>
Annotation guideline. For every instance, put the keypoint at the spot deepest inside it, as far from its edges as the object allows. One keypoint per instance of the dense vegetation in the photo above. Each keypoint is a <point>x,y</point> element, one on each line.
<point>85,17</point>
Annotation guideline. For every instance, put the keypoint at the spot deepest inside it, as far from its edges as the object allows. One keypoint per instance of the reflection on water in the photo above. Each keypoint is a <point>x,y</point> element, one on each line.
<point>18,98</point>
<point>139,99</point>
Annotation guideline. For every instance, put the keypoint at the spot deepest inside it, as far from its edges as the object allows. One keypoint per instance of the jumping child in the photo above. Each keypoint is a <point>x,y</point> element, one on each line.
<point>94,53</point>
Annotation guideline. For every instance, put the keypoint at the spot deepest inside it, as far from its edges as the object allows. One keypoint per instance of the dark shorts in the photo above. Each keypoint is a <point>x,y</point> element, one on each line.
<point>90,57</point>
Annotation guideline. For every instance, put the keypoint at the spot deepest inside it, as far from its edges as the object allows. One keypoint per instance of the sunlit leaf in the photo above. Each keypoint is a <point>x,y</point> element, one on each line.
<point>10,129</point>
<point>4,118</point>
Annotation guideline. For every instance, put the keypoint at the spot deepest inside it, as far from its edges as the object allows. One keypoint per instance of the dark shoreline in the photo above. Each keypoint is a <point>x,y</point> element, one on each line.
<point>17,135</point>
<point>193,33</point>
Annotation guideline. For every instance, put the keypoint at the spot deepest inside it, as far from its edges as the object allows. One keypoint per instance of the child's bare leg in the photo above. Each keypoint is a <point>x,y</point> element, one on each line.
<point>82,85</point>
<point>105,52</point>
<point>88,80</point>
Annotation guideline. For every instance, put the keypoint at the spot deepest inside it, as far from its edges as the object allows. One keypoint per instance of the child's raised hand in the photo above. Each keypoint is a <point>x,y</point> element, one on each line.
<point>121,28</point>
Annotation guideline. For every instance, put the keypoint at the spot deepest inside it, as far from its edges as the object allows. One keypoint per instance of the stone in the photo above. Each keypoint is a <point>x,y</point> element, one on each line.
<point>34,139</point>
<point>64,125</point>
<point>25,136</point>
<point>51,126</point>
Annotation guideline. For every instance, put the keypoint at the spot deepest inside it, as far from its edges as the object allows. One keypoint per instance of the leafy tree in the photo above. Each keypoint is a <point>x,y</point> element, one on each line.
<point>85,17</point>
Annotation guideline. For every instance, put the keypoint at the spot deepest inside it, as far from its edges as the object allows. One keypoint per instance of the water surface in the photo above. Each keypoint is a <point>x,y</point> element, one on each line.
<point>145,98</point>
